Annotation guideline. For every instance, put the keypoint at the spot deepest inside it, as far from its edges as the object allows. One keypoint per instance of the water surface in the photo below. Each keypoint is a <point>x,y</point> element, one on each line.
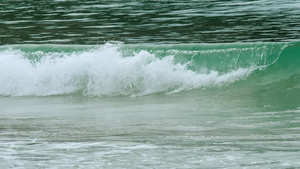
<point>148,21</point>
<point>149,84</point>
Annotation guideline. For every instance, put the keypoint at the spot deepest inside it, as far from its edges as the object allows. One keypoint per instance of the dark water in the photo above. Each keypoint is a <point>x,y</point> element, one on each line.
<point>148,21</point>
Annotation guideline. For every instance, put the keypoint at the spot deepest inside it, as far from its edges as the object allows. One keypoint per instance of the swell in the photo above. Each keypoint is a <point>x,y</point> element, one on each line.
<point>141,69</point>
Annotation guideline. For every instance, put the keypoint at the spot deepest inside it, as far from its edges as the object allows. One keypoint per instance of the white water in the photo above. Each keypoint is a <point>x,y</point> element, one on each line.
<point>103,71</point>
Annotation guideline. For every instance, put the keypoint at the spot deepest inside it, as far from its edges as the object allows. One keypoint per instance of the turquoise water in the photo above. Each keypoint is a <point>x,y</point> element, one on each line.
<point>149,84</point>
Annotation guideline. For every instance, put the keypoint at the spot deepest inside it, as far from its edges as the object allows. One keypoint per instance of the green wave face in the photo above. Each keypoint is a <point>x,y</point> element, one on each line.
<point>136,70</point>
<point>218,57</point>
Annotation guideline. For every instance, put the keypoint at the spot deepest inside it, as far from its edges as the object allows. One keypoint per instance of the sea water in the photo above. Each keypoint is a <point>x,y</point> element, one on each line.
<point>195,84</point>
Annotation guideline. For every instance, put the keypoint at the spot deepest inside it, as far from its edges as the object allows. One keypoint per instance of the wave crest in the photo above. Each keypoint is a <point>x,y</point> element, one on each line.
<point>104,71</point>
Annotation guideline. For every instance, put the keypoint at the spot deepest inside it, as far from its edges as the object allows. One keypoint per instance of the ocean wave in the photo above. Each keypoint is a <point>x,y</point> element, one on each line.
<point>117,69</point>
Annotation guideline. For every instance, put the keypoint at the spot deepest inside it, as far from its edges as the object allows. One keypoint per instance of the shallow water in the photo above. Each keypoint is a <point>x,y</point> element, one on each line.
<point>186,131</point>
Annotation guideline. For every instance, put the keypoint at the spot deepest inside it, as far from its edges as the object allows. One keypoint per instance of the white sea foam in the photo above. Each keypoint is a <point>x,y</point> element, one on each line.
<point>104,71</point>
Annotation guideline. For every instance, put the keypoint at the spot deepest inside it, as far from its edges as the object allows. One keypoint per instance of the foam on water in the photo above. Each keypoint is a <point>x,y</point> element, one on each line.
<point>103,71</point>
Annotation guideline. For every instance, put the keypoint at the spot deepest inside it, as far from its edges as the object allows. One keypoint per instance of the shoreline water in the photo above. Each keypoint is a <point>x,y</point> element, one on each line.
<point>150,131</point>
